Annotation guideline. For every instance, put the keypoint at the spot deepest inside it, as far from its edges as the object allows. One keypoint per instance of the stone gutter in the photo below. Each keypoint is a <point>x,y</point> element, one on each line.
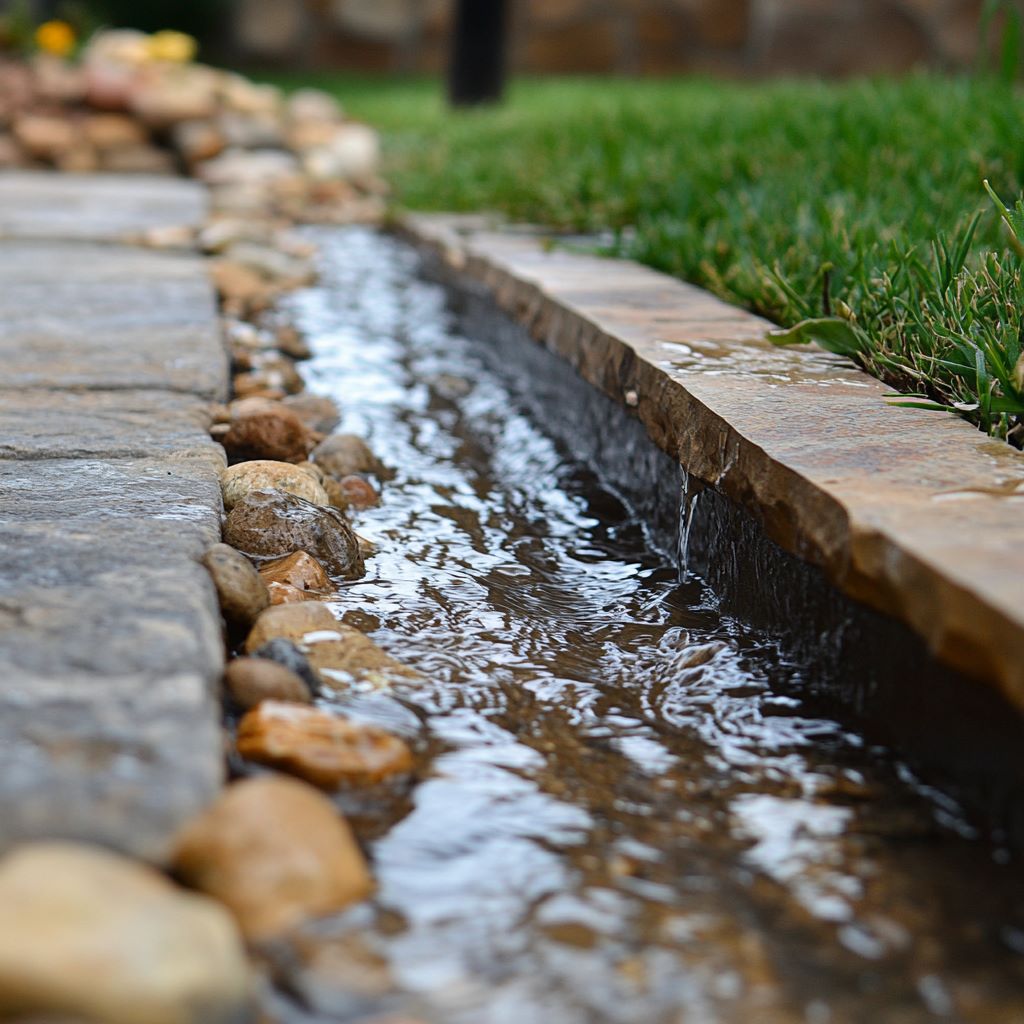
<point>914,513</point>
<point>110,634</point>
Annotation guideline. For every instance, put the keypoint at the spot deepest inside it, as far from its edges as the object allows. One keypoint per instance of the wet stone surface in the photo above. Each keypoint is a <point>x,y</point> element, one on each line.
<point>631,812</point>
<point>110,634</point>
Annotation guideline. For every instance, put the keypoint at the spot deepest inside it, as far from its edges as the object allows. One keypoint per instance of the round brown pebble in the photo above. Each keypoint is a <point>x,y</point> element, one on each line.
<point>240,588</point>
<point>343,455</point>
<point>359,492</point>
<point>276,434</point>
<point>253,680</point>
<point>327,750</point>
<point>275,852</point>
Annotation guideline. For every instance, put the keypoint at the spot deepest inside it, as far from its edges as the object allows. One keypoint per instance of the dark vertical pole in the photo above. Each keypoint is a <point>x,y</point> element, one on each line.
<point>477,72</point>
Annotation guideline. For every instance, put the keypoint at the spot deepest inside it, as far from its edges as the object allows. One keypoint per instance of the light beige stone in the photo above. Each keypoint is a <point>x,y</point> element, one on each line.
<point>90,933</point>
<point>276,853</point>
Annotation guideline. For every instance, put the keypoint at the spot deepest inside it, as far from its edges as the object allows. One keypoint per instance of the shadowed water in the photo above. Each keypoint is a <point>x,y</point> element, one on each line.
<point>627,813</point>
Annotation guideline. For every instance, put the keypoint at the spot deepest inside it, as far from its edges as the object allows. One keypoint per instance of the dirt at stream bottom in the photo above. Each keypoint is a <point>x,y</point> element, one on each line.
<point>628,815</point>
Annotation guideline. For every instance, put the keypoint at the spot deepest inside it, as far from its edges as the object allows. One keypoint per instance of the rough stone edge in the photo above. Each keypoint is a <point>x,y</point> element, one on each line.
<point>970,623</point>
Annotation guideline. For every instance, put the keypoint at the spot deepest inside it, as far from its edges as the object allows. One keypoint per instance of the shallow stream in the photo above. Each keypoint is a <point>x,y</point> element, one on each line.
<point>629,814</point>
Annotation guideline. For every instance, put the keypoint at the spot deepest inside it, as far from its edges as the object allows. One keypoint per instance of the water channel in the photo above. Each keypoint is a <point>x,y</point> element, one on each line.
<point>630,811</point>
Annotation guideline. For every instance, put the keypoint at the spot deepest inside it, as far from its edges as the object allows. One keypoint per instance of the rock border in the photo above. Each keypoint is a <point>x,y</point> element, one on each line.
<point>910,512</point>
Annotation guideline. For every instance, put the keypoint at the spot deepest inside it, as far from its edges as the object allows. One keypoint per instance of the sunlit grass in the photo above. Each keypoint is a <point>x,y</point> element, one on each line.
<point>860,201</point>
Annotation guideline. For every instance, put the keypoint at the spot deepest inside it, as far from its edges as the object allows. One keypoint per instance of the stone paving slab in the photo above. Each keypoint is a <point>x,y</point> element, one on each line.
<point>110,634</point>
<point>915,513</point>
<point>36,424</point>
<point>108,207</point>
<point>76,315</point>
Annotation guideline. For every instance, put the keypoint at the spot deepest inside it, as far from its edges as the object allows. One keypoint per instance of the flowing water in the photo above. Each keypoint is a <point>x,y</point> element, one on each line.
<point>628,812</point>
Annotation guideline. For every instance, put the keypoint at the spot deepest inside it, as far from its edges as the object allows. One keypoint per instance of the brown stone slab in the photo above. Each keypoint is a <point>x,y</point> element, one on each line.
<point>914,513</point>
<point>107,207</point>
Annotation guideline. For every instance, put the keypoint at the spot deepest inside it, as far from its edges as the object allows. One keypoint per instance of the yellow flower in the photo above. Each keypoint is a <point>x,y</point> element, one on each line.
<point>56,37</point>
<point>172,46</point>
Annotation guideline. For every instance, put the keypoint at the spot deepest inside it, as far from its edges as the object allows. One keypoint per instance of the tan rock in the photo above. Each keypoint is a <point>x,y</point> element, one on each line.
<point>113,131</point>
<point>80,159</point>
<point>358,492</point>
<point>271,263</point>
<point>274,433</point>
<point>285,593</point>
<point>244,96</point>
<point>273,524</point>
<point>252,680</point>
<point>89,933</point>
<point>312,467</point>
<point>297,570</point>
<point>352,154</point>
<point>44,137</point>
<point>138,160</point>
<point>344,455</point>
<point>187,93</point>
<point>318,412</point>
<point>240,589</point>
<point>238,482</point>
<point>292,344</point>
<point>325,749</point>
<point>276,853</point>
<point>313,105</point>
<point>254,385</point>
<point>241,289</point>
<point>197,141</point>
<point>350,659</point>
<point>291,622</point>
<point>235,167</point>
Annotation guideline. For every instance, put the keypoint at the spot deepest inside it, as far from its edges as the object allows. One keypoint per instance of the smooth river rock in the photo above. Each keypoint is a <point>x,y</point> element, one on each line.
<point>292,622</point>
<point>276,853</point>
<point>240,588</point>
<point>330,751</point>
<point>237,482</point>
<point>357,492</point>
<point>298,571</point>
<point>272,524</point>
<point>272,432</point>
<point>343,455</point>
<point>318,412</point>
<point>89,933</point>
<point>252,680</point>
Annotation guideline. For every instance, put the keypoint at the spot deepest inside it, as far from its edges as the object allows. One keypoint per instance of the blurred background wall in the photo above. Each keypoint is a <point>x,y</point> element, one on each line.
<point>732,37</point>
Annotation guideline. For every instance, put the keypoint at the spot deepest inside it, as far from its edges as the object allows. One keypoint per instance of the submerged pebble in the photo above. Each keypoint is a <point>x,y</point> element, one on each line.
<point>272,524</point>
<point>291,622</point>
<point>276,853</point>
<point>325,749</point>
<point>343,455</point>
<point>298,570</point>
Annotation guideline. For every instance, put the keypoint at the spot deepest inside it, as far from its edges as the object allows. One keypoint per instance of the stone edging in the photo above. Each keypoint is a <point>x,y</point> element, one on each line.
<point>911,512</point>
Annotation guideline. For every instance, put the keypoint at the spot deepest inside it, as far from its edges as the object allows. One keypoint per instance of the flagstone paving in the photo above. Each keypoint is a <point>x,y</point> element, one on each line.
<point>109,628</point>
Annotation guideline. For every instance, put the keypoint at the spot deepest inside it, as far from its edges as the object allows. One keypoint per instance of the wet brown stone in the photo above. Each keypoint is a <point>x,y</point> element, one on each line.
<point>198,140</point>
<point>272,524</point>
<point>294,623</point>
<point>285,593</point>
<point>113,131</point>
<point>324,749</point>
<point>352,659</point>
<point>276,375</point>
<point>237,482</point>
<point>299,570</point>
<point>276,853</point>
<point>344,455</point>
<point>89,933</point>
<point>241,290</point>
<point>252,680</point>
<point>358,492</point>
<point>276,434</point>
<point>240,590</point>
<point>318,412</point>
<point>292,344</point>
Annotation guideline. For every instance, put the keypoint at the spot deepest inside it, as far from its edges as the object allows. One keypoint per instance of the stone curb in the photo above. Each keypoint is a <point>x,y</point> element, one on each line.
<point>110,633</point>
<point>913,513</point>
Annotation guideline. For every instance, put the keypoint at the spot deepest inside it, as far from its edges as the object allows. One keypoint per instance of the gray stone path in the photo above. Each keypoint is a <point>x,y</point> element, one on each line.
<point>110,647</point>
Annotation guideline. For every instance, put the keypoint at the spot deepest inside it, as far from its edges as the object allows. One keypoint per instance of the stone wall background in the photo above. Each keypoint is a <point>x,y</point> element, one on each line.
<point>648,37</point>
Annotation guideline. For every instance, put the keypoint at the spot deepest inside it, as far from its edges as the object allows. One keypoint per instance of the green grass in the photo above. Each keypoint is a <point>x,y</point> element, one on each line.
<point>861,203</point>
